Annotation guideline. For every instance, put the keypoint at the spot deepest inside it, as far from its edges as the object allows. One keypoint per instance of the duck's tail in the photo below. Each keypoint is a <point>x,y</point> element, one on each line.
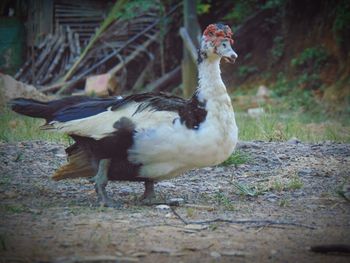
<point>79,164</point>
<point>32,108</point>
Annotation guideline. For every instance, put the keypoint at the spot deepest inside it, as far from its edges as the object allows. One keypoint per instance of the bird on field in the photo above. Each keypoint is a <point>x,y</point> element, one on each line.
<point>150,136</point>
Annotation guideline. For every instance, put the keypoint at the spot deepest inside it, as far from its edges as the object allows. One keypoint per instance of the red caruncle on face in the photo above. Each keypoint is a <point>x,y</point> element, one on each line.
<point>216,34</point>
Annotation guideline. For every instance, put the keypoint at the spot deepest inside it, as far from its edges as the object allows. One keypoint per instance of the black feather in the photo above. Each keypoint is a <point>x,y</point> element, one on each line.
<point>30,107</point>
<point>192,112</point>
<point>85,109</point>
<point>48,110</point>
<point>114,147</point>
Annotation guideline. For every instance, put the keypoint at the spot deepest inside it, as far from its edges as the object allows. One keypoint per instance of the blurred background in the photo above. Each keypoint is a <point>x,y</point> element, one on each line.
<point>291,79</point>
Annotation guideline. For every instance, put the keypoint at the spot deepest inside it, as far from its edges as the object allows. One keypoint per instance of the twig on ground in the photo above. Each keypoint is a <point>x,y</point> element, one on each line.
<point>256,223</point>
<point>331,248</point>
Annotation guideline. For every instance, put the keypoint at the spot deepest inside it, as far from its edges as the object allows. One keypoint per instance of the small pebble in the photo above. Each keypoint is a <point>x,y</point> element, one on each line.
<point>307,172</point>
<point>176,201</point>
<point>293,140</point>
<point>215,254</point>
<point>163,207</point>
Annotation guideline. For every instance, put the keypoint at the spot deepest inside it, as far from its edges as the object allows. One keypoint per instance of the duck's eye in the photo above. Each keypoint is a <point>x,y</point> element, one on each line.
<point>224,44</point>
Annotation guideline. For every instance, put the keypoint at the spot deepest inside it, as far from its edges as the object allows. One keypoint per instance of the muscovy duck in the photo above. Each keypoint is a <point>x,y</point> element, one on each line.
<point>146,137</point>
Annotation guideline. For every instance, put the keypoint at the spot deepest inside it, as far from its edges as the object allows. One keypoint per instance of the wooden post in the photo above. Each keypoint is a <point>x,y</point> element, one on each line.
<point>189,67</point>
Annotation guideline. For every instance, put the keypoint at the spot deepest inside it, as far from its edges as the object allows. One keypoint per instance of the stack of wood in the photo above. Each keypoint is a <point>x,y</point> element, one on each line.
<point>52,58</point>
<point>82,16</point>
<point>125,50</point>
<point>121,43</point>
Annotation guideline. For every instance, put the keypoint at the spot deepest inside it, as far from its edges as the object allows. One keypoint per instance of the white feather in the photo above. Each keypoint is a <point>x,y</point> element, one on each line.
<point>168,149</point>
<point>101,125</point>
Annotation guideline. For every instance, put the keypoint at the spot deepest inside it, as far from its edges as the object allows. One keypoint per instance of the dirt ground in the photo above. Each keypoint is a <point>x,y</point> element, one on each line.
<point>292,197</point>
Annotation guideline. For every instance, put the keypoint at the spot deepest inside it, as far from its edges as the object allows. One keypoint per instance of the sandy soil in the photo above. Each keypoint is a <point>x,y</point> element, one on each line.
<point>295,198</point>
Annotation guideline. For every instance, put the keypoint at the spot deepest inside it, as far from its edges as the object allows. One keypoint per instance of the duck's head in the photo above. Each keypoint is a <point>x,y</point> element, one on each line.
<point>216,42</point>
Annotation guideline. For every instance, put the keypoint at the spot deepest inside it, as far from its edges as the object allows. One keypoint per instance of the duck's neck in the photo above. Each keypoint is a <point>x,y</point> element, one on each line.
<point>211,86</point>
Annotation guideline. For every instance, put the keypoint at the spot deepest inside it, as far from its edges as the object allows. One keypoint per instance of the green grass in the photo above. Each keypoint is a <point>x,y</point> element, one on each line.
<point>273,184</point>
<point>222,200</point>
<point>5,180</point>
<point>14,127</point>
<point>278,185</point>
<point>284,184</point>
<point>284,202</point>
<point>13,208</point>
<point>237,158</point>
<point>246,190</point>
<point>273,126</point>
<point>295,183</point>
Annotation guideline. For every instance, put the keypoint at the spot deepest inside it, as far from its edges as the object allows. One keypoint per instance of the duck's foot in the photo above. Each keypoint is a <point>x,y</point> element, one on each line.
<point>106,201</point>
<point>101,180</point>
<point>149,196</point>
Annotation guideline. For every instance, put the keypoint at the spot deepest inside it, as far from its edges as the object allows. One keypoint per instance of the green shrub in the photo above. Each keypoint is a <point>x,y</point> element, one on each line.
<point>341,24</point>
<point>310,59</point>
<point>245,71</point>
<point>241,10</point>
<point>277,49</point>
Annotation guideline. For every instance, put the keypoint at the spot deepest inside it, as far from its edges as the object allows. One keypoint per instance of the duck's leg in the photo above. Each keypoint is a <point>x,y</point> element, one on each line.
<point>149,190</point>
<point>101,180</point>
<point>149,196</point>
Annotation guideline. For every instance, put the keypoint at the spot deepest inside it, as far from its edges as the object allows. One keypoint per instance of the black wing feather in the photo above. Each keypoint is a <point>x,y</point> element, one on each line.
<point>155,101</point>
<point>192,112</point>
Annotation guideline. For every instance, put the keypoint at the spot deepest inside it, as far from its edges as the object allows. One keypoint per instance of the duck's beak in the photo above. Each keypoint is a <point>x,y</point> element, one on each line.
<point>231,58</point>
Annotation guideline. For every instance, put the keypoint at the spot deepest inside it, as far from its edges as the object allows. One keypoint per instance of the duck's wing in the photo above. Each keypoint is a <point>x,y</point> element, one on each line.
<point>99,118</point>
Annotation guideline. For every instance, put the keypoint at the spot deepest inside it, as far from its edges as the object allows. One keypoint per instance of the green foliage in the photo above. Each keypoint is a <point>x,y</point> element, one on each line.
<point>308,65</point>
<point>282,85</point>
<point>277,49</point>
<point>311,58</point>
<point>237,158</point>
<point>245,71</point>
<point>242,9</point>
<point>341,24</point>
<point>135,7</point>
<point>297,93</point>
<point>202,8</point>
<point>273,4</point>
